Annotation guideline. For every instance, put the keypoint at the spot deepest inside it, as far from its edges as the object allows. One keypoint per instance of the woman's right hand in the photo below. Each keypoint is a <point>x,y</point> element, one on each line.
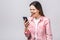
<point>26,24</point>
<point>27,32</point>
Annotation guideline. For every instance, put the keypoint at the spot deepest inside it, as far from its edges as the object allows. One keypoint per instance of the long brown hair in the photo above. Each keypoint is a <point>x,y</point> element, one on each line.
<point>38,6</point>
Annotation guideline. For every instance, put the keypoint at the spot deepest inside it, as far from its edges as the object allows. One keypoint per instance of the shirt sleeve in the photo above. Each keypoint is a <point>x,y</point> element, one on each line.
<point>27,33</point>
<point>48,30</point>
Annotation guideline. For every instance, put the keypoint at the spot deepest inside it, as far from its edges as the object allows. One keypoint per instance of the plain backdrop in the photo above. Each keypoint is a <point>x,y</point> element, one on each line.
<point>12,11</point>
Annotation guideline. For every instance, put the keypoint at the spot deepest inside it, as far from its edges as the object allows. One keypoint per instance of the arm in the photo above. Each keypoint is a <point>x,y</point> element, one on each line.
<point>26,31</point>
<point>48,30</point>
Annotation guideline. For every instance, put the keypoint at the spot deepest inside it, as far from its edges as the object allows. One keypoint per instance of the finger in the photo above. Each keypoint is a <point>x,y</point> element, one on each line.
<point>27,23</point>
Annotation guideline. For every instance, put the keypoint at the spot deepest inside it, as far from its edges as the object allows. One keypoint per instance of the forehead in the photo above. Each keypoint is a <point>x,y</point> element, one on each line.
<point>32,7</point>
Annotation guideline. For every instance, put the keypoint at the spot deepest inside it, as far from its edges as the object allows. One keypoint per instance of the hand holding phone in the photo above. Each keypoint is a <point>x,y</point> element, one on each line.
<point>26,23</point>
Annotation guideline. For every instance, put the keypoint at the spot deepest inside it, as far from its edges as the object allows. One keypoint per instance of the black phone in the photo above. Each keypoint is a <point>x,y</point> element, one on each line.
<point>25,18</point>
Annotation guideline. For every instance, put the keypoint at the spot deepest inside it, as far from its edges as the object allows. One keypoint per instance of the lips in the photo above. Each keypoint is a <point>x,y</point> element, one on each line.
<point>32,14</point>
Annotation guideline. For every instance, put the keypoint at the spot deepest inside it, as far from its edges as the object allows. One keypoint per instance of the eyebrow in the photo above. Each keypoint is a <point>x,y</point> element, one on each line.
<point>32,9</point>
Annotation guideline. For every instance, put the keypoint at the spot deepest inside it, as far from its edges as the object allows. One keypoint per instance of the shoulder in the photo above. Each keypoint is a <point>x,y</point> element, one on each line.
<point>46,19</point>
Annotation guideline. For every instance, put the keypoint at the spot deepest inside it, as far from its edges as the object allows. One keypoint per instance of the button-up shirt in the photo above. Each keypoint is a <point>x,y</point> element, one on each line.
<point>43,28</point>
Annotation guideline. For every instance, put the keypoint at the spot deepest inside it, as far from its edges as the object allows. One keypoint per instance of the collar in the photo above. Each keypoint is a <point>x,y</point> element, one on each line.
<point>40,19</point>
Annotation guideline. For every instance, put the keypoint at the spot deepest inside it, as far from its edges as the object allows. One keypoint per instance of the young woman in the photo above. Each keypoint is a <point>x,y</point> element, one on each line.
<point>38,26</point>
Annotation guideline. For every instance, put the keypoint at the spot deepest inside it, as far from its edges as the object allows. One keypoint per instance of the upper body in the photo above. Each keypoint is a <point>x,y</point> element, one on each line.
<point>43,30</point>
<point>38,26</point>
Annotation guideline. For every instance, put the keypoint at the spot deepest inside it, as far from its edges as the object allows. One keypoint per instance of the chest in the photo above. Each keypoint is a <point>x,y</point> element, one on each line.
<point>38,25</point>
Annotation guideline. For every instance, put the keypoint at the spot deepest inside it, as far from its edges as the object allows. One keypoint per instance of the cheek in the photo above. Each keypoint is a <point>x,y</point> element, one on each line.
<point>35,11</point>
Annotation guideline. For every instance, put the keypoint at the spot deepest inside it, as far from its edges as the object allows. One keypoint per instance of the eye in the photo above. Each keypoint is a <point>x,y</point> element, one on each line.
<point>32,9</point>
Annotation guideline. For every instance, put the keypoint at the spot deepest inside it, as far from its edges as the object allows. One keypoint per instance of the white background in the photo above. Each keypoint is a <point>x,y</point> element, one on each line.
<point>12,11</point>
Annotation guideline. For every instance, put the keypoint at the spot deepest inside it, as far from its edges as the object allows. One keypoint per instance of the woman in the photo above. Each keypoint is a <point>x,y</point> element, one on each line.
<point>38,26</point>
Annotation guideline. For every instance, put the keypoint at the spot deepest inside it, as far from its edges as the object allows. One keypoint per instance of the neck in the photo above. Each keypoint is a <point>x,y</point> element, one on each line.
<point>38,17</point>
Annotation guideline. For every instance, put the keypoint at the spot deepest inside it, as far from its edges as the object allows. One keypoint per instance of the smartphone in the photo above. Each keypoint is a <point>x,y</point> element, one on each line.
<point>25,18</point>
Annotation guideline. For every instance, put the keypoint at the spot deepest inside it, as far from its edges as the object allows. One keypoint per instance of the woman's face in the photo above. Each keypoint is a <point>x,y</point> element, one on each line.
<point>34,11</point>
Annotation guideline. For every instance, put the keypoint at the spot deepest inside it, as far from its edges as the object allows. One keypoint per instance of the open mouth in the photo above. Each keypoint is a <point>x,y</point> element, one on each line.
<point>32,14</point>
